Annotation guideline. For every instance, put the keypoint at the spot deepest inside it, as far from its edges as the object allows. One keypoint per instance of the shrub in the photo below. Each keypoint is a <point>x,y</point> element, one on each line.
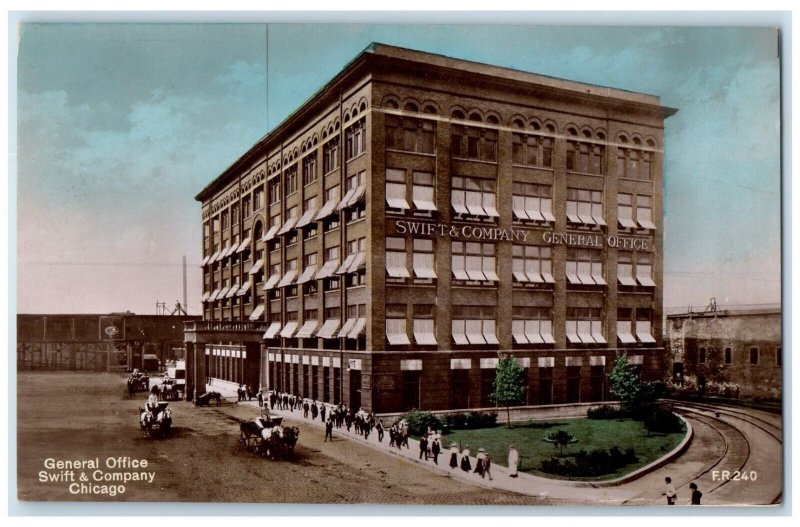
<point>470,421</point>
<point>606,412</point>
<point>590,464</point>
<point>662,421</point>
<point>419,422</point>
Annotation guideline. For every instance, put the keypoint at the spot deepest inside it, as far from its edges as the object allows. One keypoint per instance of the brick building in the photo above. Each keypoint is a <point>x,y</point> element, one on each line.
<point>420,216</point>
<point>742,347</point>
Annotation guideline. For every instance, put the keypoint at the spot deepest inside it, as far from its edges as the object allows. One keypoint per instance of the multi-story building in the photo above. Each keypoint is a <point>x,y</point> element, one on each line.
<point>740,347</point>
<point>419,217</point>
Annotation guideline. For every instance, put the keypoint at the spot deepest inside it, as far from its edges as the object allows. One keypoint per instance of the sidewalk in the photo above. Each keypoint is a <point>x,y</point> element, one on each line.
<point>574,492</point>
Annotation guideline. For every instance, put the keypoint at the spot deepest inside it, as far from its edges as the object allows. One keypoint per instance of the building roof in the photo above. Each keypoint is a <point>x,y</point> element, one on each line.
<point>457,67</point>
<point>721,313</point>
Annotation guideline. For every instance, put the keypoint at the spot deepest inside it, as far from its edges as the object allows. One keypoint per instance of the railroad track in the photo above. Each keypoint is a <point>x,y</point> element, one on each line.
<point>740,449</point>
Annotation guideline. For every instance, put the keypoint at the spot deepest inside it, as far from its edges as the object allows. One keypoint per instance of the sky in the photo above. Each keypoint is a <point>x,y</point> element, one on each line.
<point>119,127</point>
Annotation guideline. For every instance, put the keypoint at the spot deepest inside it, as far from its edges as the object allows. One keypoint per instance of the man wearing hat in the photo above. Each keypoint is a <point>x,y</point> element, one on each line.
<point>513,461</point>
<point>436,447</point>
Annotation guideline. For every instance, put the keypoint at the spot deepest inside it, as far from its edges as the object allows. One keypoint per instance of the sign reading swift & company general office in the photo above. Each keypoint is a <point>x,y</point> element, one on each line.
<point>492,233</point>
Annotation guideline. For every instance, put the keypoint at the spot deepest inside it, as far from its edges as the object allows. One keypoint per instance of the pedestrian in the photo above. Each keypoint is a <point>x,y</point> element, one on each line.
<point>272,398</point>
<point>423,446</point>
<point>305,409</point>
<point>479,465</point>
<point>670,492</point>
<point>436,447</point>
<point>696,494</point>
<point>513,461</point>
<point>314,410</point>
<point>322,411</point>
<point>487,466</point>
<point>260,399</point>
<point>466,465</point>
<point>328,430</point>
<point>453,456</point>
<point>379,428</point>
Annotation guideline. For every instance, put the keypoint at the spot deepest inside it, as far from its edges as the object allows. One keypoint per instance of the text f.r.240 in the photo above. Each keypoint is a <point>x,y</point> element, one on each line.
<point>734,475</point>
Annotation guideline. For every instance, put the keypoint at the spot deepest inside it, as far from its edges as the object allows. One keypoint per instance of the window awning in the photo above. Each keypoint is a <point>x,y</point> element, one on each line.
<point>223,292</point>
<point>358,262</point>
<point>256,266</point>
<point>548,216</point>
<point>306,218</point>
<point>627,223</point>
<point>348,326</point>
<point>326,210</point>
<point>476,210</point>
<point>346,264</point>
<point>643,332</point>
<point>358,328</point>
<point>205,260</point>
<point>307,330</point>
<point>476,274</point>
<point>460,338</point>
<point>518,331</point>
<point>214,295</point>
<point>232,250</point>
<point>244,289</point>
<point>308,274</point>
<point>288,278</point>
<point>257,312</point>
<point>289,329</point>
<point>491,275</point>
<point>272,281</point>
<point>397,272</point>
<point>532,332</point>
<point>598,277</point>
<point>572,277</point>
<point>520,276</point>
<point>535,277</point>
<point>599,220</point>
<point>460,274</point>
<point>422,271</point>
<point>357,195</point>
<point>624,332</point>
<point>572,337</point>
<point>397,339</point>
<point>270,233</point>
<point>646,224</point>
<point>328,328</point>
<point>645,280</point>
<point>213,257</point>
<point>548,278</point>
<point>534,214</point>
<point>424,204</point>
<point>328,269</point>
<point>233,290</point>
<point>546,331</point>
<point>598,337</point>
<point>397,203</point>
<point>520,213</point>
<point>474,330</point>
<point>223,253</point>
<point>243,245</point>
<point>573,218</point>
<point>626,280</point>
<point>272,330</point>
<point>459,208</point>
<point>491,211</point>
<point>343,204</point>
<point>585,278</point>
<point>585,332</point>
<point>287,226</point>
<point>205,296</point>
<point>425,338</point>
<point>586,219</point>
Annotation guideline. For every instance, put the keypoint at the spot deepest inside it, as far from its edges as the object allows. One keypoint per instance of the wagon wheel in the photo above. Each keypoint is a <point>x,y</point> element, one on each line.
<point>243,438</point>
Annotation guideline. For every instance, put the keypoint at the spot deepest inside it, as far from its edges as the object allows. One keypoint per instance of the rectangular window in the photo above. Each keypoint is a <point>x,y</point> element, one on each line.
<point>532,325</point>
<point>474,197</point>
<point>585,207</point>
<point>644,212</point>
<point>355,139</point>
<point>625,325</point>
<point>728,356</point>
<point>644,333</point>
<point>290,180</point>
<point>424,331</point>
<point>532,264</point>
<point>754,355</point>
<point>584,326</point>
<point>532,202</point>
<point>309,169</point>
<point>585,266</point>
<point>644,269</point>
<point>396,324</point>
<point>423,194</point>
<point>474,262</point>
<point>625,211</point>
<point>473,143</point>
<point>258,199</point>
<point>474,325</point>
<point>330,155</point>
<point>625,268</point>
<point>532,150</point>
<point>246,207</point>
<point>585,158</point>
<point>396,258</point>
<point>274,191</point>
<point>423,259</point>
<point>396,190</point>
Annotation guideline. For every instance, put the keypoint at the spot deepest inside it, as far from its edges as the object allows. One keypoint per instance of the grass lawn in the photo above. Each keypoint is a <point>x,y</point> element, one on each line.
<point>590,433</point>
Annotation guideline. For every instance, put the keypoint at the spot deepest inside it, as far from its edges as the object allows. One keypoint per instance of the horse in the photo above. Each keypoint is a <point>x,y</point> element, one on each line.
<point>206,398</point>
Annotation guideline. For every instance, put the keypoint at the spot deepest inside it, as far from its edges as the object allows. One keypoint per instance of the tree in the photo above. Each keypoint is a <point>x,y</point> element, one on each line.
<point>625,385</point>
<point>507,388</point>
<point>560,439</point>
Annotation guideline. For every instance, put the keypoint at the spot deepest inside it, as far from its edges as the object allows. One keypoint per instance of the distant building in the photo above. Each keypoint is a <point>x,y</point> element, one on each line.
<point>419,217</point>
<point>740,347</point>
<point>97,342</point>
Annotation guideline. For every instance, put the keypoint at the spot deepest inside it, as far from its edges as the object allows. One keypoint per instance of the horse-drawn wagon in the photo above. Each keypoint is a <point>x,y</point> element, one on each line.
<point>138,382</point>
<point>155,418</point>
<point>206,398</point>
<point>266,437</point>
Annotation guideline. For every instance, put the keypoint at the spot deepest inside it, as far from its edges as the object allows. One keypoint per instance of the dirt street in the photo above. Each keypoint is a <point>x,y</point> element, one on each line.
<point>78,416</point>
